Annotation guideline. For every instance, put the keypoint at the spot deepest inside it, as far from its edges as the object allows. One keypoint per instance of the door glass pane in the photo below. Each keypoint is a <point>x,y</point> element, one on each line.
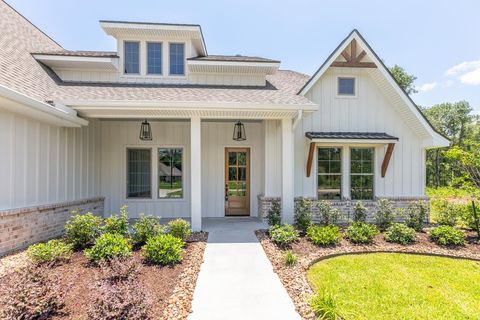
<point>242,189</point>
<point>242,174</point>
<point>232,158</point>
<point>232,188</point>
<point>242,158</point>
<point>232,173</point>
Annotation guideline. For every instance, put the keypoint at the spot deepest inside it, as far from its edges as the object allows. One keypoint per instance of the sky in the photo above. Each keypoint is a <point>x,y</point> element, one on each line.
<point>437,41</point>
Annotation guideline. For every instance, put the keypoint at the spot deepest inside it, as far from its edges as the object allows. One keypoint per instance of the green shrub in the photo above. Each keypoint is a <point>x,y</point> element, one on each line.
<point>179,228</point>
<point>303,214</point>
<point>415,215</point>
<point>360,232</point>
<point>117,223</point>
<point>163,249</point>
<point>328,215</point>
<point>384,215</point>
<point>447,235</point>
<point>108,246</point>
<point>325,307</point>
<point>324,236</point>
<point>289,258</point>
<point>400,233</point>
<point>283,235</point>
<point>82,230</point>
<point>145,228</point>
<point>274,214</point>
<point>359,212</point>
<point>447,213</point>
<point>50,252</point>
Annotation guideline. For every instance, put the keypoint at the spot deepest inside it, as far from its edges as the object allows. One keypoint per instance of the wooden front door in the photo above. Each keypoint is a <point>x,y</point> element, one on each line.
<point>237,181</point>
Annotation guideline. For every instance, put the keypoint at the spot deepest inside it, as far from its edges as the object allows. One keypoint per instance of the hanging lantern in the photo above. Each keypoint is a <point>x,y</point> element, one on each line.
<point>239,132</point>
<point>145,131</point>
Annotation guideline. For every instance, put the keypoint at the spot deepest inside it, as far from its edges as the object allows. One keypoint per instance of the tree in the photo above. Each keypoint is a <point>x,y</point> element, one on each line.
<point>468,158</point>
<point>405,80</point>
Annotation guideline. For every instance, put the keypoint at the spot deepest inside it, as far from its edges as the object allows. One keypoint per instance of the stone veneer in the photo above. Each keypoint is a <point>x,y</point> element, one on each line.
<point>21,227</point>
<point>346,206</point>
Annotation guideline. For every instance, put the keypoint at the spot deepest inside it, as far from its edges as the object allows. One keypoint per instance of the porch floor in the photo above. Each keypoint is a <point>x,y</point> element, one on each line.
<point>236,280</point>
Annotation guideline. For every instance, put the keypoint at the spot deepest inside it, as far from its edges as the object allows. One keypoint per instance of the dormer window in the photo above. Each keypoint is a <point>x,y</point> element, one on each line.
<point>177,59</point>
<point>154,58</point>
<point>132,57</point>
<point>346,86</point>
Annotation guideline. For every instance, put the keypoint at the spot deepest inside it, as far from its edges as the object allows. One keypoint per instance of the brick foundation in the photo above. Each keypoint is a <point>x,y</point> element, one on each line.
<point>23,226</point>
<point>346,206</point>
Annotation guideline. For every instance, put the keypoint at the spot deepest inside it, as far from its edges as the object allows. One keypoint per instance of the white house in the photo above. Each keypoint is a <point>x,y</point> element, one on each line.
<point>151,125</point>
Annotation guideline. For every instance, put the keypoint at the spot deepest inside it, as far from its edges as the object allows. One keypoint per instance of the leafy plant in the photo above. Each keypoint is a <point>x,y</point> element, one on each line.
<point>290,258</point>
<point>82,230</point>
<point>360,212</point>
<point>145,228</point>
<point>50,252</point>
<point>400,233</point>
<point>163,249</point>
<point>30,295</point>
<point>117,223</point>
<point>415,215</point>
<point>283,235</point>
<point>303,214</point>
<point>325,307</point>
<point>360,232</point>
<point>328,215</point>
<point>108,246</point>
<point>324,236</point>
<point>274,214</point>
<point>179,228</point>
<point>384,215</point>
<point>447,235</point>
<point>448,213</point>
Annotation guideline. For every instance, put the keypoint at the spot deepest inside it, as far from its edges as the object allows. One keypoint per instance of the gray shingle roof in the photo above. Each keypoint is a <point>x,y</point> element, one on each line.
<point>235,58</point>
<point>350,135</point>
<point>70,53</point>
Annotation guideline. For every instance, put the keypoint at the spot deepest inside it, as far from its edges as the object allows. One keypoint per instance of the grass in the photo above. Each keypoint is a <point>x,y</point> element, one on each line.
<point>400,286</point>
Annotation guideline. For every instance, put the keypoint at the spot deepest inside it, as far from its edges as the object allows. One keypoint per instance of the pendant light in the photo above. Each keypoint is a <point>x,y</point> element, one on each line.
<point>239,132</point>
<point>145,131</point>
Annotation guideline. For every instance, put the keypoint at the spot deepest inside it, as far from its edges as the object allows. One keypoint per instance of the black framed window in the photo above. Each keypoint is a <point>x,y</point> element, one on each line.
<point>346,86</point>
<point>329,173</point>
<point>177,59</point>
<point>132,57</point>
<point>154,58</point>
<point>361,173</point>
<point>139,173</point>
<point>170,173</point>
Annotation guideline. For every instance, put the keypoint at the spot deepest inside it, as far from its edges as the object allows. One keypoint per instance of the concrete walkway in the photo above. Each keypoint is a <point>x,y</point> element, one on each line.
<point>236,280</point>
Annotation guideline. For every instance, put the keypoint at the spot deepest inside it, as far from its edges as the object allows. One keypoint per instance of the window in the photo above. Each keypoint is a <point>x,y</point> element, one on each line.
<point>329,173</point>
<point>132,57</point>
<point>346,86</point>
<point>139,173</point>
<point>170,173</point>
<point>361,173</point>
<point>177,57</point>
<point>154,58</point>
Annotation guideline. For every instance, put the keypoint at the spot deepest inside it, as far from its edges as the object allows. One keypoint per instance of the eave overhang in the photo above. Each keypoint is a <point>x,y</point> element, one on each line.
<point>78,62</point>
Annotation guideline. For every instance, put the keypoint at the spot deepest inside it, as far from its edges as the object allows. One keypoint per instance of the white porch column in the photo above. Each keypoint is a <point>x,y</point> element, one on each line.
<point>195,173</point>
<point>287,172</point>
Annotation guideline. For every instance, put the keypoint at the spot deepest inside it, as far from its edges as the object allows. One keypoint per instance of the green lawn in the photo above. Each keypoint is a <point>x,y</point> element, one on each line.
<point>400,286</point>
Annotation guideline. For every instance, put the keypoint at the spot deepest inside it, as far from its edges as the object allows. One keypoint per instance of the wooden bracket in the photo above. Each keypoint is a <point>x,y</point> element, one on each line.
<point>311,151</point>
<point>352,60</point>
<point>386,159</point>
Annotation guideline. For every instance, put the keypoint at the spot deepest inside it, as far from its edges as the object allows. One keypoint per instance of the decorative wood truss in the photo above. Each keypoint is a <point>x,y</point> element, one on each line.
<point>352,60</point>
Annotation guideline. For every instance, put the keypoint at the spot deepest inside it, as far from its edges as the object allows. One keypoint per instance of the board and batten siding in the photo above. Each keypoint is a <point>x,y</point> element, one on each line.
<point>44,164</point>
<point>369,111</point>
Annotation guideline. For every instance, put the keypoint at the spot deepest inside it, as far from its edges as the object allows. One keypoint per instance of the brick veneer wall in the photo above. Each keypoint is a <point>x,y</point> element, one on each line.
<point>23,226</point>
<point>346,206</point>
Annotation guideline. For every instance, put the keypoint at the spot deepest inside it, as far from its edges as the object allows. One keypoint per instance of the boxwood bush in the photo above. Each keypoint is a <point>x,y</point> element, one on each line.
<point>179,228</point>
<point>108,246</point>
<point>82,230</point>
<point>52,251</point>
<point>447,235</point>
<point>283,235</point>
<point>303,214</point>
<point>326,215</point>
<point>400,233</point>
<point>359,212</point>
<point>415,215</point>
<point>274,214</point>
<point>163,249</point>
<point>117,223</point>
<point>324,236</point>
<point>145,228</point>
<point>360,232</point>
<point>385,214</point>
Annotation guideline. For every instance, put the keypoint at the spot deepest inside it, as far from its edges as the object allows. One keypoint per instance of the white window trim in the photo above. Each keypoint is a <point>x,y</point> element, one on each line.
<point>152,75</point>
<point>184,60</point>
<point>183,173</point>
<point>374,170</point>
<point>125,170</point>
<point>139,59</point>
<point>346,96</point>
<point>342,169</point>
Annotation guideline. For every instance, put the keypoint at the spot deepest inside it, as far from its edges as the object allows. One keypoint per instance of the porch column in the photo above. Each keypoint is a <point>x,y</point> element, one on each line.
<point>287,172</point>
<point>195,173</point>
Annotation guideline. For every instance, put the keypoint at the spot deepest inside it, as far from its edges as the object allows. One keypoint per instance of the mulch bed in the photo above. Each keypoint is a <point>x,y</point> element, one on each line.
<point>168,290</point>
<point>294,278</point>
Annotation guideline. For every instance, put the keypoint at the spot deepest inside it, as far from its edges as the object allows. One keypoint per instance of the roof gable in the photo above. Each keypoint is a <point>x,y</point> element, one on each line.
<point>370,59</point>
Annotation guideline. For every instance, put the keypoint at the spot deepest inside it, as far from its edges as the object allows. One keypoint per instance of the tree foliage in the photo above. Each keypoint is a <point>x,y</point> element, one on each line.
<point>405,80</point>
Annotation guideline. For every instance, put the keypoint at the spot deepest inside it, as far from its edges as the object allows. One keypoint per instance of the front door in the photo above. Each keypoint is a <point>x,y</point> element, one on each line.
<point>237,181</point>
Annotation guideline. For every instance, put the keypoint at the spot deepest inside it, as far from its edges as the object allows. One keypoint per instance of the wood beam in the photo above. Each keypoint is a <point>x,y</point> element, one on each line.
<point>346,56</point>
<point>353,49</point>
<point>361,56</point>
<point>354,64</point>
<point>311,151</point>
<point>386,159</point>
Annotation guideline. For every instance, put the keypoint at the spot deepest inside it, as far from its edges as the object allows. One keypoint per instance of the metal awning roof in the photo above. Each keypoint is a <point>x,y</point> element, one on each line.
<point>365,137</point>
